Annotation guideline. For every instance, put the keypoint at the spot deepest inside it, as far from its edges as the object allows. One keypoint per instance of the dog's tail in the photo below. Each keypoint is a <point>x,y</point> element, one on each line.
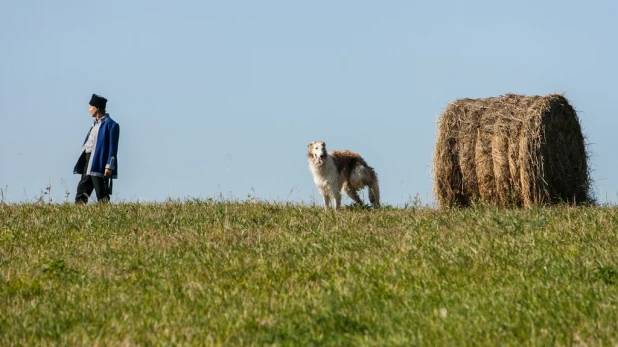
<point>374,189</point>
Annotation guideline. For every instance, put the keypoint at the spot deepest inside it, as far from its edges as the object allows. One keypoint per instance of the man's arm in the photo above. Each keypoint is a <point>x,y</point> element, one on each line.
<point>113,149</point>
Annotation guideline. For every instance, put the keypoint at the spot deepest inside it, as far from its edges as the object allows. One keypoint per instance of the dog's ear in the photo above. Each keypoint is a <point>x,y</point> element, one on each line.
<point>310,144</point>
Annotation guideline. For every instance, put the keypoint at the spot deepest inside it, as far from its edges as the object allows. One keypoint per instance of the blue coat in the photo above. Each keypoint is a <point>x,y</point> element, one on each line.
<point>105,153</point>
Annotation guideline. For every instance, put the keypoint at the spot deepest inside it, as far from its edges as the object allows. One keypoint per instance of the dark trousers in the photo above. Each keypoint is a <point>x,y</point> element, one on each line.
<point>89,183</point>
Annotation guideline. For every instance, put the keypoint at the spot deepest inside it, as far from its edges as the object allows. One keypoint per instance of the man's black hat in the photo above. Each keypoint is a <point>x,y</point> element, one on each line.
<point>98,101</point>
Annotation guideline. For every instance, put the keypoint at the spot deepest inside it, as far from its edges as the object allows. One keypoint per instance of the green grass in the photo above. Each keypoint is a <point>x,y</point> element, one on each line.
<point>256,274</point>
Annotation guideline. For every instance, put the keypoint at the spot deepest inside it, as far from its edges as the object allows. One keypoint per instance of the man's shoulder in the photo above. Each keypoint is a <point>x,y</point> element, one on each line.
<point>110,122</point>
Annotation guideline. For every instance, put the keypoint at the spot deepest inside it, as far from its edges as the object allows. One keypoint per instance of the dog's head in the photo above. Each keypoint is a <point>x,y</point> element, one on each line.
<point>317,152</point>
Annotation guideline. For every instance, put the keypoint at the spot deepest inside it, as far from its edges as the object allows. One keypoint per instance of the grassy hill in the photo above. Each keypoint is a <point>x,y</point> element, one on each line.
<point>239,274</point>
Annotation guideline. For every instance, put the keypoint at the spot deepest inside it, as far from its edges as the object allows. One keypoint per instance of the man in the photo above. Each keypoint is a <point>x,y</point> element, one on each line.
<point>98,163</point>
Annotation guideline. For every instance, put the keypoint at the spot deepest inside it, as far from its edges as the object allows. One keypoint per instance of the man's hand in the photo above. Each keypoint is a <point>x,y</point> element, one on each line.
<point>108,172</point>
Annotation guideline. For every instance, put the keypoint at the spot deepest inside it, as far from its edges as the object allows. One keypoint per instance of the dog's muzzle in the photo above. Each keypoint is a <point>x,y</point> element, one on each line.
<point>319,158</point>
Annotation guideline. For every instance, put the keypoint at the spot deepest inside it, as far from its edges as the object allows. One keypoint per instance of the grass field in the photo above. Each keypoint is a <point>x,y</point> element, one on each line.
<point>259,274</point>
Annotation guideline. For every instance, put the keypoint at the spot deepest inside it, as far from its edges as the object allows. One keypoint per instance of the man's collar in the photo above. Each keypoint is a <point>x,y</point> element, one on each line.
<point>102,119</point>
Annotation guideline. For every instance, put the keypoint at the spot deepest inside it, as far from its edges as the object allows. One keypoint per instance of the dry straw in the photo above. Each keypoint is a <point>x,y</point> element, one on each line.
<point>511,150</point>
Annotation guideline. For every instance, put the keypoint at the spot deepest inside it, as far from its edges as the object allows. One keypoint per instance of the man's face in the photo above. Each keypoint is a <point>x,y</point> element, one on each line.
<point>92,110</point>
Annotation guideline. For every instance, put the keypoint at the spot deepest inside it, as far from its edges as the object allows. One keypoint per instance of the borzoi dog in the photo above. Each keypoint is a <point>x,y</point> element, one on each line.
<point>339,171</point>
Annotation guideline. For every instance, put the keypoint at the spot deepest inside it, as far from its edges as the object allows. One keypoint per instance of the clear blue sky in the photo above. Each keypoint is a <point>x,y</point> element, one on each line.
<point>216,96</point>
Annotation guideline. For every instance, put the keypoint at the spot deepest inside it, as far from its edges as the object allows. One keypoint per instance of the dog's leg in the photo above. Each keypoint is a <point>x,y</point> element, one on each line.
<point>374,194</point>
<point>326,201</point>
<point>353,195</point>
<point>337,194</point>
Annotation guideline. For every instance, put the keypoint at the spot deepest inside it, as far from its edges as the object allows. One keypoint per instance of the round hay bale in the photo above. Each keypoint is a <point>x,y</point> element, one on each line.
<point>511,150</point>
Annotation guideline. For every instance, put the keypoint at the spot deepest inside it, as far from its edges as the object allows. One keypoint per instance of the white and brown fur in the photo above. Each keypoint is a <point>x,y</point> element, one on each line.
<point>341,171</point>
